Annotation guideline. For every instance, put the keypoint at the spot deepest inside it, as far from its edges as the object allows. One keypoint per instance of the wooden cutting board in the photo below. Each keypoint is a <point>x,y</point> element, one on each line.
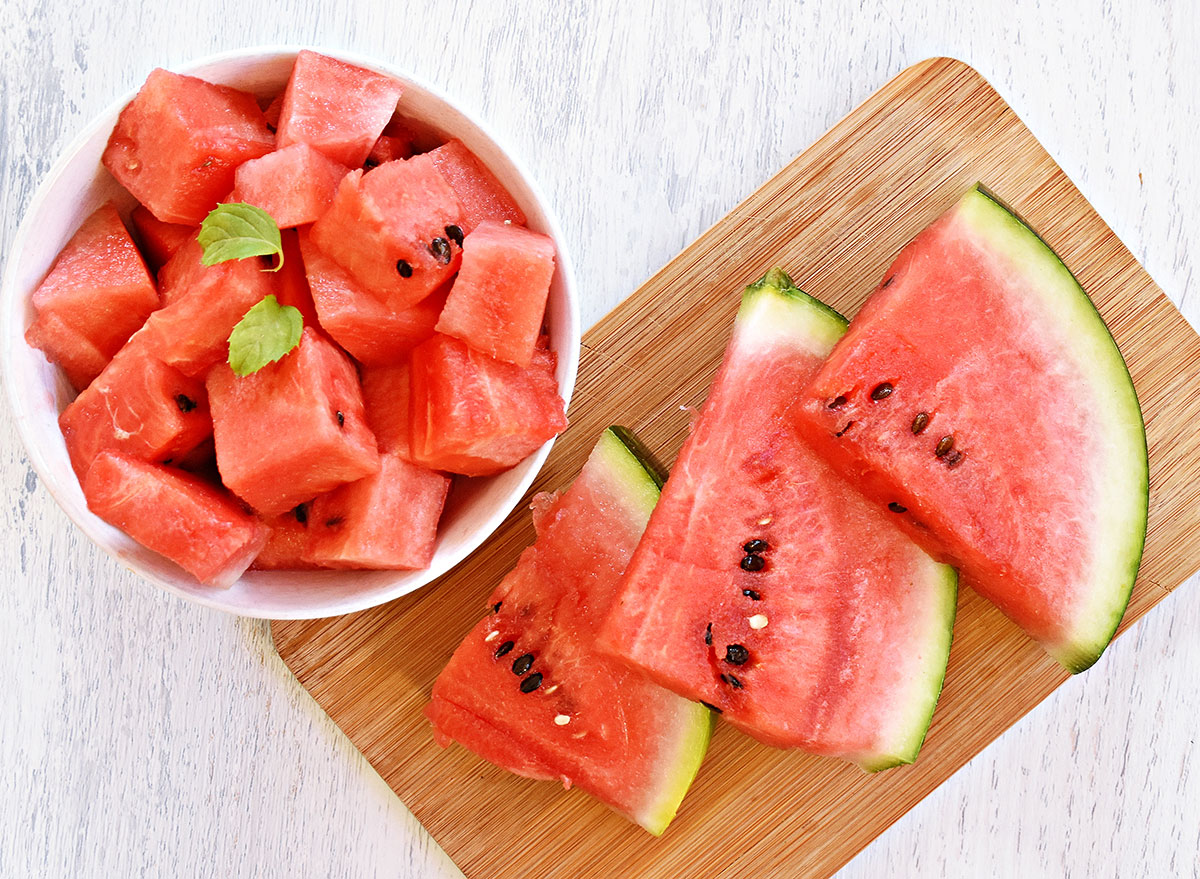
<point>834,218</point>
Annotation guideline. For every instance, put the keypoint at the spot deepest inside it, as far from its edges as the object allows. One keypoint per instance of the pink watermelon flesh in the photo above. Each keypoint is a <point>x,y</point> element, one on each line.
<point>137,406</point>
<point>481,194</point>
<point>286,543</point>
<point>498,300</point>
<point>388,148</point>
<point>391,228</point>
<point>293,430</point>
<point>158,240</point>
<point>177,515</point>
<point>386,394</point>
<point>373,332</point>
<point>336,107</point>
<point>295,184</point>
<point>834,638</point>
<point>290,283</point>
<point>1041,500</point>
<point>178,142</point>
<point>97,294</point>
<point>528,691</point>
<point>273,110</point>
<point>386,520</point>
<point>475,415</point>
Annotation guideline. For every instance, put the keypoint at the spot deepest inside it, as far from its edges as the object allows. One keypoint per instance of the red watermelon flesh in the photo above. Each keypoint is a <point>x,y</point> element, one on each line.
<point>387,520</point>
<point>336,107</point>
<point>286,543</point>
<point>294,429</point>
<point>373,332</point>
<point>475,415</point>
<point>97,294</point>
<point>498,300</point>
<point>295,184</point>
<point>388,149</point>
<point>1039,493</point>
<point>290,283</point>
<point>272,111</point>
<point>481,194</point>
<point>765,585</point>
<point>178,515</point>
<point>158,240</point>
<point>528,690</point>
<point>386,394</point>
<point>137,406</point>
<point>178,142</point>
<point>391,229</point>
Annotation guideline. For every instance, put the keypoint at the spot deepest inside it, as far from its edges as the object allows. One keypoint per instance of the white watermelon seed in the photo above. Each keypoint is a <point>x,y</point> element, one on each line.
<point>562,719</point>
<point>758,621</point>
<point>492,636</point>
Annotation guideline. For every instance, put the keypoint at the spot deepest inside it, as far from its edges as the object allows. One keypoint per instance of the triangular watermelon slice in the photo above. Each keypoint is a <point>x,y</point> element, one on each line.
<point>528,691</point>
<point>980,390</point>
<point>766,585</point>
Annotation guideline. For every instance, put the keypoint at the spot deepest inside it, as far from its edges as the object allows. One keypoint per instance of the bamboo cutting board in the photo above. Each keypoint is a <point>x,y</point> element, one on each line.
<point>834,218</point>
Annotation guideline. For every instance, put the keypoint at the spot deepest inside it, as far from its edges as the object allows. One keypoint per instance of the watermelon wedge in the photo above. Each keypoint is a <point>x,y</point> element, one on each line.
<point>988,399</point>
<point>527,689</point>
<point>766,585</point>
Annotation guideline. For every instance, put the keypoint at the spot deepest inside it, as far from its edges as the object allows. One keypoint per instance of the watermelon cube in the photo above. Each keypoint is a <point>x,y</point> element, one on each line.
<point>499,297</point>
<point>158,240</point>
<point>202,304</point>
<point>336,107</point>
<point>97,294</point>
<point>176,514</point>
<point>286,543</point>
<point>273,110</point>
<point>294,429</point>
<point>290,283</point>
<point>387,520</point>
<point>475,415</point>
<point>386,395</point>
<point>482,196</point>
<point>395,229</point>
<point>294,184</point>
<point>388,148</point>
<point>138,406</point>
<point>178,142</point>
<point>370,330</point>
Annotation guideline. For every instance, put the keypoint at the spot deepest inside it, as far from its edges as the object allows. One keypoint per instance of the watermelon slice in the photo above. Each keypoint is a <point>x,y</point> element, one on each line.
<point>765,585</point>
<point>483,197</point>
<point>528,691</point>
<point>987,398</point>
<point>290,283</point>
<point>386,394</point>
<point>294,184</point>
<point>286,543</point>
<point>388,148</point>
<point>158,240</point>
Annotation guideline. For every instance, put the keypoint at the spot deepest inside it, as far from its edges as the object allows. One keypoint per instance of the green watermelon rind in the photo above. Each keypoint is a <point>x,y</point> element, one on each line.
<point>1127,485</point>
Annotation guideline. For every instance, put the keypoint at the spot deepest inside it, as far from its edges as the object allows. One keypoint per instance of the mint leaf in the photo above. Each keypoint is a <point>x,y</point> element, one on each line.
<point>238,231</point>
<point>267,332</point>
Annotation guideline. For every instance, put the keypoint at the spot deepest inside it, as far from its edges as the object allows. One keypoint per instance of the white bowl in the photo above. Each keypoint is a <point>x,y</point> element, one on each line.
<point>78,184</point>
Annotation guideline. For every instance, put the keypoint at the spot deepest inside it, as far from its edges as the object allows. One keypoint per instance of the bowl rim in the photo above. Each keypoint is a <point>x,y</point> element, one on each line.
<point>12,303</point>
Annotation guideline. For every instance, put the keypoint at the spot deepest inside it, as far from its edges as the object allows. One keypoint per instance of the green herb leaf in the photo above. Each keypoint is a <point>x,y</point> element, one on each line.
<point>267,332</point>
<point>238,231</point>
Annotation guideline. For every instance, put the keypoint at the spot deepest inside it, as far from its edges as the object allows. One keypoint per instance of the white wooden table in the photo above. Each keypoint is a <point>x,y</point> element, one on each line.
<point>142,736</point>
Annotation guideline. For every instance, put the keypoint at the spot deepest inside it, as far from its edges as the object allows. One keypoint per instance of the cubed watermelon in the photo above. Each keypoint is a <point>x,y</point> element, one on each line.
<point>475,415</point>
<point>388,149</point>
<point>336,107</point>
<point>294,429</point>
<point>178,142</point>
<point>499,297</point>
<point>386,394</point>
<point>287,543</point>
<point>176,514</point>
<point>294,184</point>
<point>138,406</point>
<point>158,240</point>
<point>394,228</point>
<point>290,283</point>
<point>387,520</point>
<point>202,305</point>
<point>272,111</point>
<point>97,294</point>
<point>370,330</point>
<point>482,196</point>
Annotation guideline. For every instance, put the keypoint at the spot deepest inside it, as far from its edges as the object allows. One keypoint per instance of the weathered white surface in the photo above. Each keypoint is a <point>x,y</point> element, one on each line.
<point>146,737</point>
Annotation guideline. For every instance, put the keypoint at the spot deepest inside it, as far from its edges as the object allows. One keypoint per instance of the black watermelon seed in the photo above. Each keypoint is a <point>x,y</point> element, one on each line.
<point>888,281</point>
<point>504,648</point>
<point>842,432</point>
<point>897,508</point>
<point>532,682</point>
<point>341,418</point>
<point>404,268</point>
<point>711,707</point>
<point>455,234</point>
<point>167,461</point>
<point>753,563</point>
<point>496,607</point>
<point>301,513</point>
<point>185,403</point>
<point>882,391</point>
<point>440,248</point>
<point>708,635</point>
<point>732,681</point>
<point>736,654</point>
<point>369,164</point>
<point>335,521</point>
<point>945,444</point>
<point>955,458</point>
<point>920,422</point>
<point>837,402</point>
<point>522,663</point>
<point>752,595</point>
<point>756,545</point>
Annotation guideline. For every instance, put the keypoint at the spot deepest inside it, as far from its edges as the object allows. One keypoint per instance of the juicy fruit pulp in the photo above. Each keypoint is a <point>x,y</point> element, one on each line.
<point>527,690</point>
<point>1028,469</point>
<point>765,585</point>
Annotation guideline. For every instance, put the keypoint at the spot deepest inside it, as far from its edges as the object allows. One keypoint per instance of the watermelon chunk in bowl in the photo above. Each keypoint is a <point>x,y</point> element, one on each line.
<point>77,185</point>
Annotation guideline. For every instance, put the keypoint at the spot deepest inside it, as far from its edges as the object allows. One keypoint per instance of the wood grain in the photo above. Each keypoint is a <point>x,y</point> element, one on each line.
<point>834,218</point>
